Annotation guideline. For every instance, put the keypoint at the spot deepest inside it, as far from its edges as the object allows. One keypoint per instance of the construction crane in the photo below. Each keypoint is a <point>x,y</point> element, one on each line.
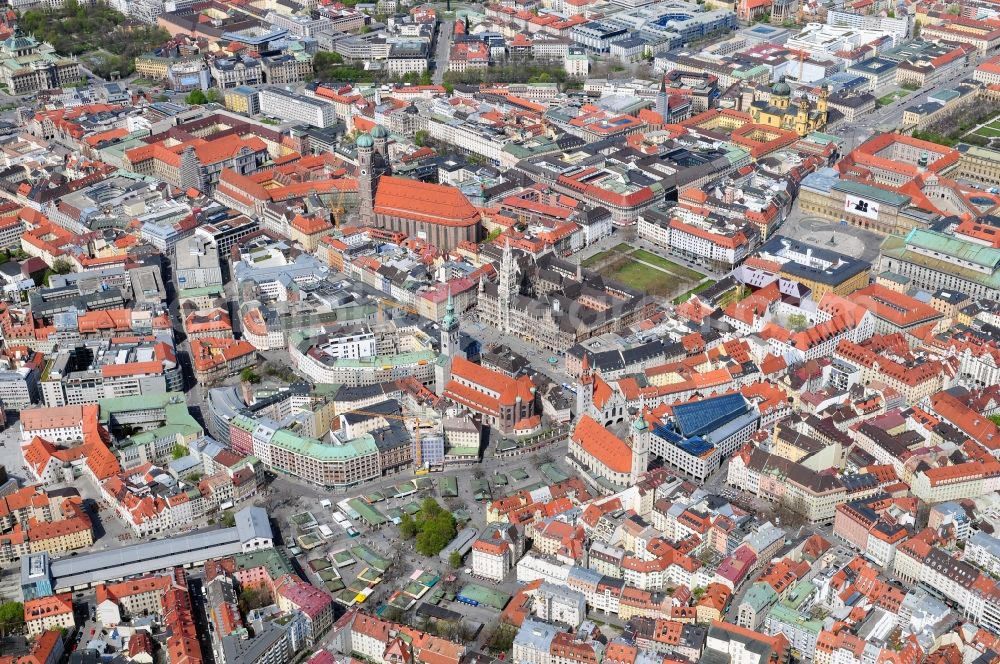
<point>419,467</point>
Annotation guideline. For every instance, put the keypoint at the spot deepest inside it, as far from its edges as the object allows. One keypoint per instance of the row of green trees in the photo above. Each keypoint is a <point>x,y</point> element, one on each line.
<point>330,66</point>
<point>74,29</point>
<point>527,71</point>
<point>199,97</point>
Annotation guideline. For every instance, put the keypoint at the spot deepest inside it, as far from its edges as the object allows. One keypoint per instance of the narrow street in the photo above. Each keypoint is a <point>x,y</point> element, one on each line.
<point>201,620</point>
<point>442,50</point>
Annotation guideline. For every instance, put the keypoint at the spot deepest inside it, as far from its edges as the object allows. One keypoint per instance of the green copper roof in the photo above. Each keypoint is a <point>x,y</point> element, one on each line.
<point>449,317</point>
<point>760,596</point>
<point>866,191</point>
<point>352,449</point>
<point>824,139</point>
<point>735,154</point>
<point>276,563</point>
<point>960,249</point>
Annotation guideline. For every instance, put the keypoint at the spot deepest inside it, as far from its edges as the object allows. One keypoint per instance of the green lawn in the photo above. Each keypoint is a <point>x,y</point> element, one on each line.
<point>694,291</point>
<point>653,259</point>
<point>891,97</point>
<point>989,130</point>
<point>621,248</point>
<point>597,258</point>
<point>645,279</point>
<point>640,276</point>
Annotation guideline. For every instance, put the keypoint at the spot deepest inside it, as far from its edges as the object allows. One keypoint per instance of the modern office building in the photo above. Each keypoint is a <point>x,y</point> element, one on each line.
<point>822,270</point>
<point>291,107</point>
<point>698,435</point>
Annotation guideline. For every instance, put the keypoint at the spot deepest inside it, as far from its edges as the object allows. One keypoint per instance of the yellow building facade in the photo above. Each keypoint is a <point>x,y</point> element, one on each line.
<point>799,116</point>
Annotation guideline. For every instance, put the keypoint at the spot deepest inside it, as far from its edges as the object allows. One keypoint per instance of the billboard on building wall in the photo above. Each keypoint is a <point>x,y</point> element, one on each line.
<point>861,206</point>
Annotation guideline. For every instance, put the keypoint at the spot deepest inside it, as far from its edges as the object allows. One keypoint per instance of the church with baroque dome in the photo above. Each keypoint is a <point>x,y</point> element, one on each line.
<point>797,115</point>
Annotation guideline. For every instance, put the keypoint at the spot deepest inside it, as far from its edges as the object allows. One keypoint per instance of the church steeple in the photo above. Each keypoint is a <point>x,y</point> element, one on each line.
<point>507,287</point>
<point>450,345</point>
<point>585,390</point>
<point>661,100</point>
<point>640,445</point>
<point>449,329</point>
<point>367,179</point>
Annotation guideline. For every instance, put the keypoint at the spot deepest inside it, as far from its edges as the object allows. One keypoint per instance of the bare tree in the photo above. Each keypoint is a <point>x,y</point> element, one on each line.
<point>791,513</point>
<point>451,629</point>
<point>923,515</point>
<point>501,636</point>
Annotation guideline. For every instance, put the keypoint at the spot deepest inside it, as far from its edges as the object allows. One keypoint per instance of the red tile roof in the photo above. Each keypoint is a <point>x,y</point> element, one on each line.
<point>603,445</point>
<point>901,310</point>
<point>43,607</point>
<point>509,389</point>
<point>424,201</point>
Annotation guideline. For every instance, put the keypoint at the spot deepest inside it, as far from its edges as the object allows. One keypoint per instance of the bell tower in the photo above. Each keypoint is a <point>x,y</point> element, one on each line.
<point>367,181</point>
<point>380,139</point>
<point>661,100</point>
<point>802,118</point>
<point>585,390</point>
<point>507,287</point>
<point>822,104</point>
<point>450,343</point>
<point>640,447</point>
<point>451,346</point>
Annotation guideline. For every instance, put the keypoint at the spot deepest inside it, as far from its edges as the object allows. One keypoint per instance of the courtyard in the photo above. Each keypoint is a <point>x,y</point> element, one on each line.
<point>643,271</point>
<point>990,129</point>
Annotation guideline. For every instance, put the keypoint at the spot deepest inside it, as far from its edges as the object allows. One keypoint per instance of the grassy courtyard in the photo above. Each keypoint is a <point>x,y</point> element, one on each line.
<point>992,130</point>
<point>642,270</point>
<point>622,248</point>
<point>643,279</point>
<point>663,263</point>
<point>891,97</point>
<point>694,291</point>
